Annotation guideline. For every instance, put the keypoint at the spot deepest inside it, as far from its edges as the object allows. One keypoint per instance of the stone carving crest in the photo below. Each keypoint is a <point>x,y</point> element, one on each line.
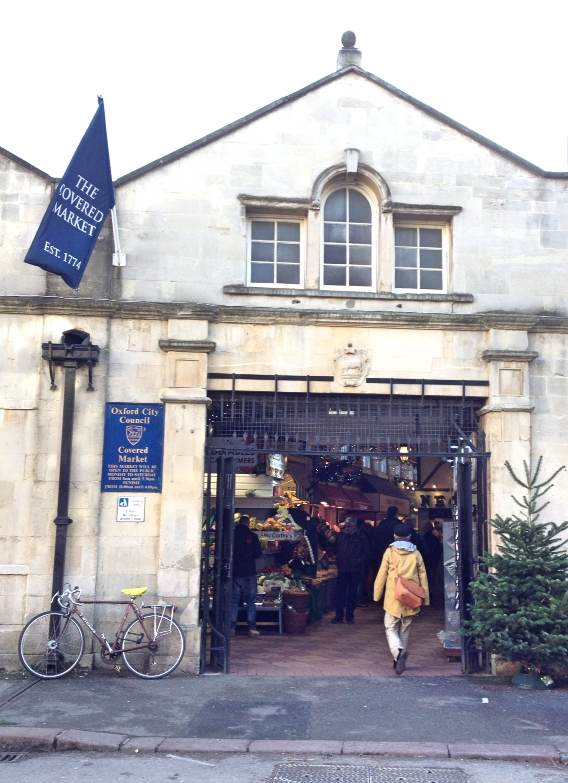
<point>351,366</point>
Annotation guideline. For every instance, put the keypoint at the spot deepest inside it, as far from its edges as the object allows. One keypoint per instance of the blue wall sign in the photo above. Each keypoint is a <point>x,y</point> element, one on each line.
<point>133,448</point>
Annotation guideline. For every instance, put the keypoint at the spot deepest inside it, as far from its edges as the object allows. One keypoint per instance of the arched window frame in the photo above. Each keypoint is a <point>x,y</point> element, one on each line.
<point>371,198</point>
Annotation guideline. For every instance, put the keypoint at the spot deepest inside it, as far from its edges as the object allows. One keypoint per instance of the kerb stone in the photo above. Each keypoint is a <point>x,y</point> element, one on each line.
<point>89,740</point>
<point>295,746</point>
<point>411,749</point>
<point>21,738</point>
<point>535,753</point>
<point>141,744</point>
<point>202,745</point>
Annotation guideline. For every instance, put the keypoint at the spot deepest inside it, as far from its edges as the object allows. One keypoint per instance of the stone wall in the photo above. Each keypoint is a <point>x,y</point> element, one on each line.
<point>509,241</point>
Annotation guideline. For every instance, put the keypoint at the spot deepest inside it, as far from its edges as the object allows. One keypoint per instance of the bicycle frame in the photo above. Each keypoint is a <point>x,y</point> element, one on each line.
<point>114,649</point>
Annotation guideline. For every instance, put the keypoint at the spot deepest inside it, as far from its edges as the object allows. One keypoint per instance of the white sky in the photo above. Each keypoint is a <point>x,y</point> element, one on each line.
<point>171,71</point>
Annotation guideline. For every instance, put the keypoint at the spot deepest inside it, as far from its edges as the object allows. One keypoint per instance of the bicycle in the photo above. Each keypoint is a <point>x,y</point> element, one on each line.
<point>52,643</point>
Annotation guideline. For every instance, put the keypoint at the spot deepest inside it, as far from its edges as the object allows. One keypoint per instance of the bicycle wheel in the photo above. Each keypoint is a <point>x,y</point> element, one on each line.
<point>160,644</point>
<point>51,645</point>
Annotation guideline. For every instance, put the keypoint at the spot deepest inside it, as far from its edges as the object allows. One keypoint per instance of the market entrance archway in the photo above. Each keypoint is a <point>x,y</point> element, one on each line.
<point>388,431</point>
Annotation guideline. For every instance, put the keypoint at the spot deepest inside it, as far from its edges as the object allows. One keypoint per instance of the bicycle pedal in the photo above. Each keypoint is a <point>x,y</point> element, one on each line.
<point>117,668</point>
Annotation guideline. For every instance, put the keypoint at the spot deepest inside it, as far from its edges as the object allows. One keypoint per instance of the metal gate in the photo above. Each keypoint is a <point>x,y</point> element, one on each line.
<point>243,424</point>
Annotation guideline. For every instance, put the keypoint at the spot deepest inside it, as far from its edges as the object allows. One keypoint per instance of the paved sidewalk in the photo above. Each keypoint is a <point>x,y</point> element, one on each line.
<point>444,716</point>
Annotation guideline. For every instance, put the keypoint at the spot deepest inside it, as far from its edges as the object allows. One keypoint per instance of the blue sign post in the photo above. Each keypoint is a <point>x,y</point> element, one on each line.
<point>133,448</point>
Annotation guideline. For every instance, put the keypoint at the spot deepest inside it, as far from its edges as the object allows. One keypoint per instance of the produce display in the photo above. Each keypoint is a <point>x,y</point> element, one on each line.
<point>279,522</point>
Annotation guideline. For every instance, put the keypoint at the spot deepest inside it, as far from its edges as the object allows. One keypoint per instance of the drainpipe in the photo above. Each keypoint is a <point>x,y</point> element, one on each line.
<point>74,351</point>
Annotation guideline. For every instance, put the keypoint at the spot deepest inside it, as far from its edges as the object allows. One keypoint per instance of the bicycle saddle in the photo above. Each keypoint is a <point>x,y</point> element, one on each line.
<point>134,592</point>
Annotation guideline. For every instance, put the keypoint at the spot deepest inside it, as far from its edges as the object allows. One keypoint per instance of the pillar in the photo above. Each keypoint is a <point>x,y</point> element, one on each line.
<point>185,398</point>
<point>506,417</point>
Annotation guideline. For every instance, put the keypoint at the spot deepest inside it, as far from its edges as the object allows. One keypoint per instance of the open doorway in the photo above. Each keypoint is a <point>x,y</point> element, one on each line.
<point>298,466</point>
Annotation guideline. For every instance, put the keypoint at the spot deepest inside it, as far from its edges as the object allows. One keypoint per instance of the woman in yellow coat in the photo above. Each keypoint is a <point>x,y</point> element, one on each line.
<point>402,559</point>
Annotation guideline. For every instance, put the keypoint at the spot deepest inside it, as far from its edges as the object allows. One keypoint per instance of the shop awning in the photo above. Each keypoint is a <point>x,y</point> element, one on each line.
<point>343,497</point>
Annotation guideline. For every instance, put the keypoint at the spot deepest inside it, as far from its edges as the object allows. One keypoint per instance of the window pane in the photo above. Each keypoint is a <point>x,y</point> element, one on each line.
<point>430,237</point>
<point>359,208</point>
<point>405,236</point>
<point>360,234</point>
<point>288,232</point>
<point>288,273</point>
<point>334,275</point>
<point>262,230</point>
<point>405,256</point>
<point>261,273</point>
<point>335,206</point>
<point>334,232</point>
<point>359,254</point>
<point>431,259</point>
<point>334,254</point>
<point>359,276</point>
<point>287,252</point>
<point>262,251</point>
<point>404,278</point>
<point>431,280</point>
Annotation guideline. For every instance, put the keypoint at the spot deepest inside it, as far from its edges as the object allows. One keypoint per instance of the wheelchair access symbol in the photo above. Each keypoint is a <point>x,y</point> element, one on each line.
<point>129,509</point>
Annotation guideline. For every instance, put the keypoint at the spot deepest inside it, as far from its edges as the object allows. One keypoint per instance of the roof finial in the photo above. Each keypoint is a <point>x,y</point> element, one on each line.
<point>348,55</point>
<point>348,39</point>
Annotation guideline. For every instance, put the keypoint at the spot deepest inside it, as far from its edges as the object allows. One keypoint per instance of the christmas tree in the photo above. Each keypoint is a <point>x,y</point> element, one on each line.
<point>520,609</point>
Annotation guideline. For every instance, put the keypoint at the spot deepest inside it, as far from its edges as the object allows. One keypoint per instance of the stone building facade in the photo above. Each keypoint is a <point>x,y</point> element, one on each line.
<point>203,293</point>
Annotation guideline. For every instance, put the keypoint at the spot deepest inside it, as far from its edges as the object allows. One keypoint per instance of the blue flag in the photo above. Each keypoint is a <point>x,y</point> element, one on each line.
<point>68,232</point>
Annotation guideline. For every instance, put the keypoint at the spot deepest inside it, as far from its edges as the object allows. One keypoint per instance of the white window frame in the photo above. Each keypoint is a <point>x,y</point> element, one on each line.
<point>277,219</point>
<point>445,229</point>
<point>372,201</point>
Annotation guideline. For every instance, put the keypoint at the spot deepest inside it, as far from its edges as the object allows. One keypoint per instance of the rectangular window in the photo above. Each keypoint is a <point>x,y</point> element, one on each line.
<point>420,258</point>
<point>275,253</point>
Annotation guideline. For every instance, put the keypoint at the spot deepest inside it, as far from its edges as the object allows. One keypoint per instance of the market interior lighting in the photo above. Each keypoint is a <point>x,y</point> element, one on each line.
<point>404,451</point>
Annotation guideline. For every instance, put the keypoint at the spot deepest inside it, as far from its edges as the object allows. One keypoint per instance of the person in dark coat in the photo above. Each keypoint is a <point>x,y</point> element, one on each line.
<point>368,571</point>
<point>384,534</point>
<point>350,556</point>
<point>246,550</point>
<point>432,555</point>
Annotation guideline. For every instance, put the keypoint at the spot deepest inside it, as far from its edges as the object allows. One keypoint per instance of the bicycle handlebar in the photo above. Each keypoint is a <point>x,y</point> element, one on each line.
<point>68,596</point>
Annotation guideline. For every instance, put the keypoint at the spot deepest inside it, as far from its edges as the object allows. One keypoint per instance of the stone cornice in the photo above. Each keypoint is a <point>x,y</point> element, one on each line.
<point>185,395</point>
<point>426,210</point>
<point>188,346</point>
<point>268,204</point>
<point>325,293</point>
<point>506,407</point>
<point>508,355</point>
<point>78,308</point>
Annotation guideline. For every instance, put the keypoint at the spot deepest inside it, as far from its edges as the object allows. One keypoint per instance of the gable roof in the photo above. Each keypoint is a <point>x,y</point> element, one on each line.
<point>24,164</point>
<point>255,115</point>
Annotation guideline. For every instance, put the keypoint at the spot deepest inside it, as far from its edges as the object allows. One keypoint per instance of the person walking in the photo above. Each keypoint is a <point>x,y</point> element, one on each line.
<point>383,535</point>
<point>350,557</point>
<point>246,549</point>
<point>402,558</point>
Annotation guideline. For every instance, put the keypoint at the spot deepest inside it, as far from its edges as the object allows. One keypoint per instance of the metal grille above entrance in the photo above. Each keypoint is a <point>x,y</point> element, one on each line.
<point>338,423</point>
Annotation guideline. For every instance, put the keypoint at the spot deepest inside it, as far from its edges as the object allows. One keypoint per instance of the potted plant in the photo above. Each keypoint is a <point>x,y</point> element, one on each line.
<point>520,609</point>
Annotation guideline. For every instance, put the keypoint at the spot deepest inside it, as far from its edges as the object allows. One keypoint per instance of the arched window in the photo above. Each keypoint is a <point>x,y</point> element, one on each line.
<point>347,240</point>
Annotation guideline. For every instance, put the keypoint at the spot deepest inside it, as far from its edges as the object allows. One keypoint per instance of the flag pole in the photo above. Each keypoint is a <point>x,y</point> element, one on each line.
<point>118,257</point>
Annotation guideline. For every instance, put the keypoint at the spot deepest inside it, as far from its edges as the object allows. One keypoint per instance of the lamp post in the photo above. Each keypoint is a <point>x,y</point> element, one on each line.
<point>74,351</point>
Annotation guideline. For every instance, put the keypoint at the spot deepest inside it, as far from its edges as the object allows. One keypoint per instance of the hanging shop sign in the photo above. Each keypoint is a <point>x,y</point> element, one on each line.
<point>133,447</point>
<point>276,465</point>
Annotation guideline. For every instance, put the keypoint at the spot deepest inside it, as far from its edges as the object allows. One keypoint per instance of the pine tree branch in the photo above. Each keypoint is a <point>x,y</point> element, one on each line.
<point>514,475</point>
<point>537,471</point>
